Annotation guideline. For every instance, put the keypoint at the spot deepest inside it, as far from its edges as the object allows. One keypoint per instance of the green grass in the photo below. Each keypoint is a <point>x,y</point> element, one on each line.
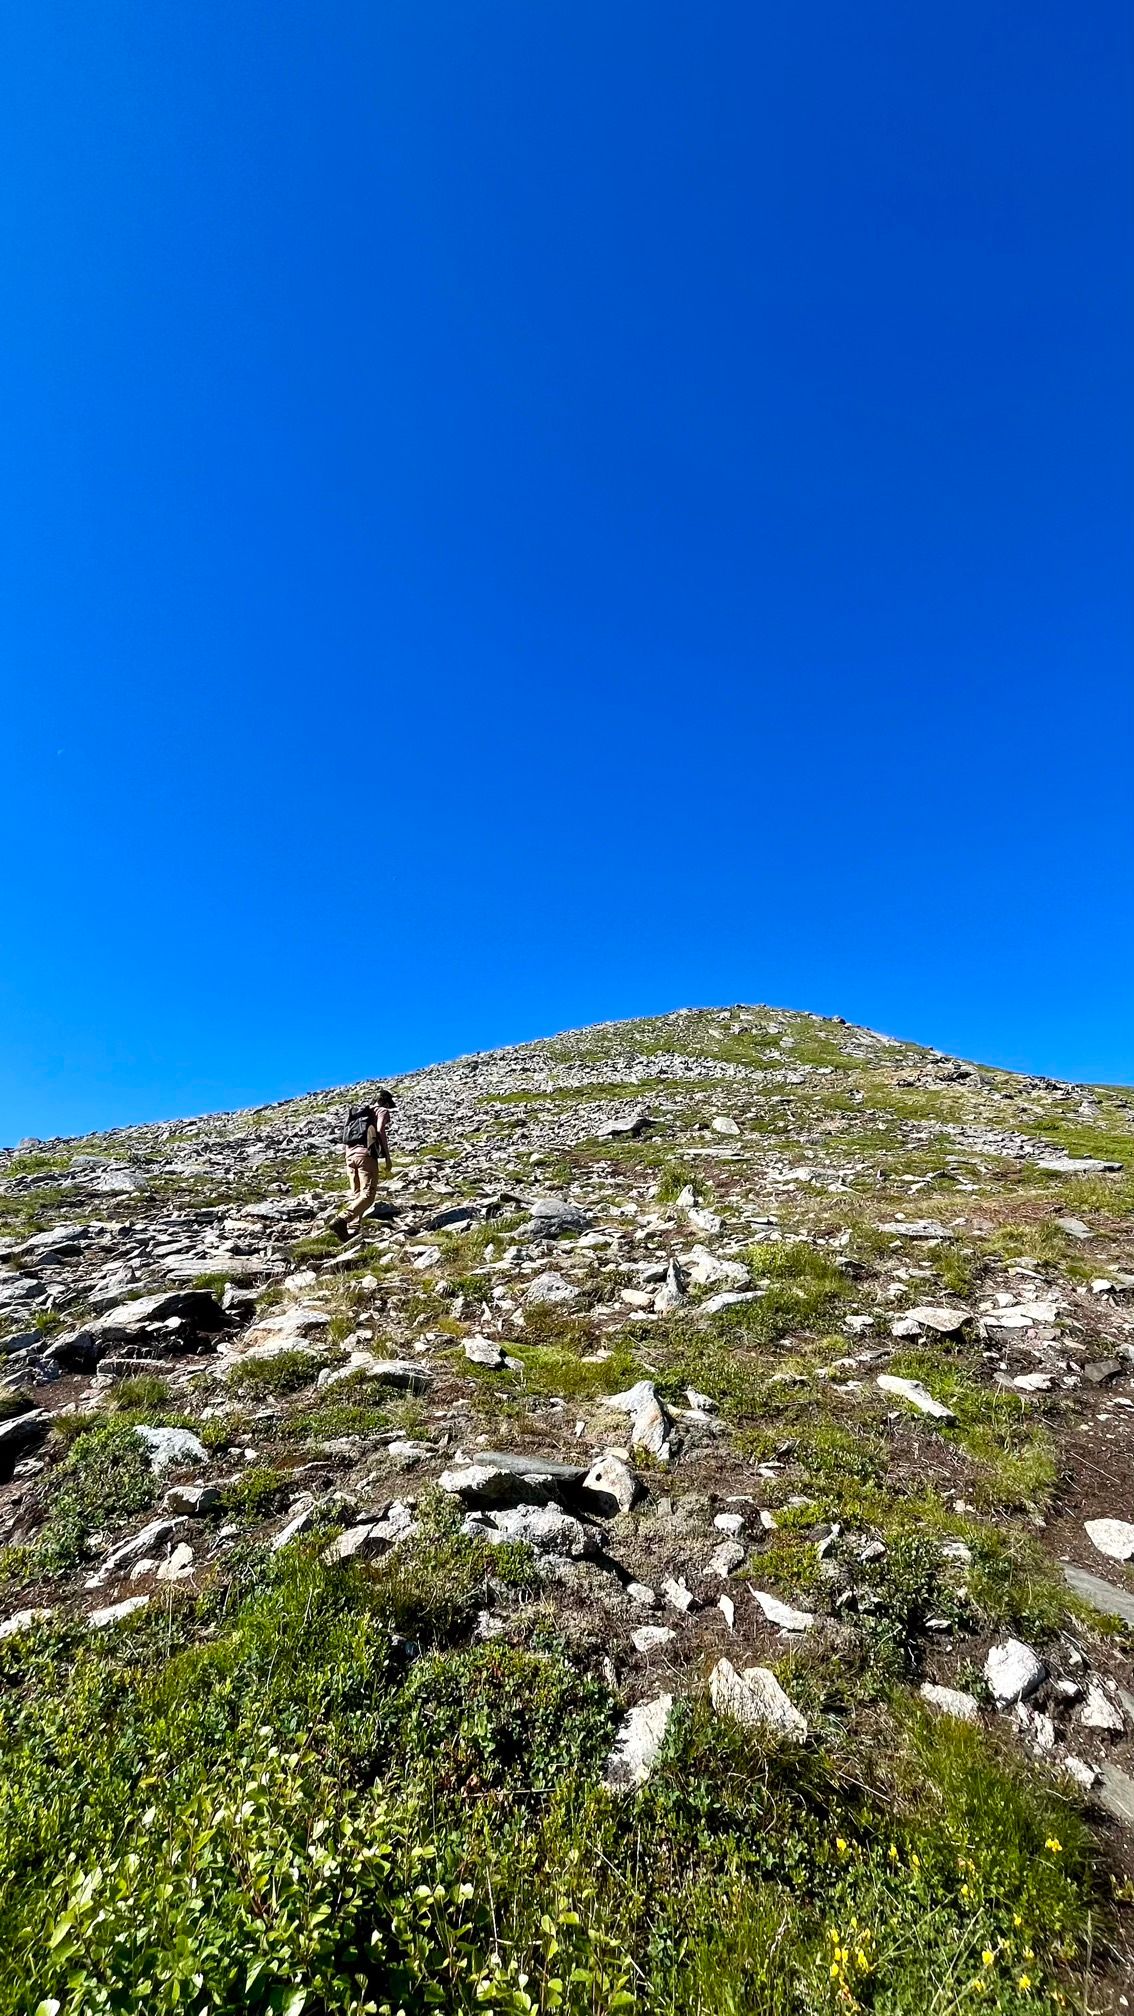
<point>284,1372</point>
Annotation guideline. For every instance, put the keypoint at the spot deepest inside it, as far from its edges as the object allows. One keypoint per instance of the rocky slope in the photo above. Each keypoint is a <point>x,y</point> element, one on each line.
<point>779,1375</point>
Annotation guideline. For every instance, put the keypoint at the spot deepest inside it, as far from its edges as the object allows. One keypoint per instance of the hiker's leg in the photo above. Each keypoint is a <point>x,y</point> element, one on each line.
<point>369,1172</point>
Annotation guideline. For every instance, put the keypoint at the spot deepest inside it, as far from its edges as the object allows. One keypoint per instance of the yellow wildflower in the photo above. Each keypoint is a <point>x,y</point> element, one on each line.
<point>1053,1846</point>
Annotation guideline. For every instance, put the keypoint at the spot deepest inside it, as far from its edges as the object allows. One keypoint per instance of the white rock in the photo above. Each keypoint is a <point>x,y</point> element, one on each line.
<point>114,1613</point>
<point>731,1523</point>
<point>640,1593</point>
<point>172,1445</point>
<point>727,1608</point>
<point>544,1528</point>
<point>946,1322</point>
<point>707,1222</point>
<point>484,1351</point>
<point>22,1620</point>
<point>1013,1671</point>
<point>676,1593</point>
<point>649,1637</point>
<point>1112,1537</point>
<point>1083,1774</point>
<point>611,1485</point>
<point>725,1558</point>
<point>551,1290</point>
<point>723,1125</point>
<point>1100,1713</point>
<point>950,1701</point>
<point>301,1520</point>
<point>637,1744</point>
<point>179,1565</point>
<point>728,1299</point>
<point>916,1395</point>
<point>755,1699</point>
<point>709,1272</point>
<point>782,1614</point>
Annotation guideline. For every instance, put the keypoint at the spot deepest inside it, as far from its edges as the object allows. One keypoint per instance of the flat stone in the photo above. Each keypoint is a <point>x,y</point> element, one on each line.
<point>650,1637</point>
<point>1074,1228</point>
<point>1076,1165</point>
<point>637,1744</point>
<point>915,1395</point>
<point>722,1124</point>
<point>950,1701</point>
<point>23,1620</point>
<point>1115,1793</point>
<point>729,1298</point>
<point>1013,1671</point>
<point>1102,1370</point>
<point>755,1699</point>
<point>782,1614</point>
<point>116,1613</point>
<point>916,1228</point>
<point>1112,1537</point>
<point>945,1322</point>
<point>484,1351</point>
<point>1102,1596</point>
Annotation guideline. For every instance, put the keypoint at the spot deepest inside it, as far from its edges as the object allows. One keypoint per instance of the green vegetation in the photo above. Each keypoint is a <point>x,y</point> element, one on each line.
<point>279,1814</point>
<point>283,1372</point>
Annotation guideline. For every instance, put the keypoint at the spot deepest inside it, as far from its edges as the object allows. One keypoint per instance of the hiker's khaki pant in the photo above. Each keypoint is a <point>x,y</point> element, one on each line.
<point>362,1168</point>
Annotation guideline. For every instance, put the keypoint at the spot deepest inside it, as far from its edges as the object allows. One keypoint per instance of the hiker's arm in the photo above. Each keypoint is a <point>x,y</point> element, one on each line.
<point>383,1141</point>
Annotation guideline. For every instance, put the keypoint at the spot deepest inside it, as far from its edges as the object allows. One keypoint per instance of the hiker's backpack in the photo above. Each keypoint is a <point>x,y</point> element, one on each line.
<point>360,1120</point>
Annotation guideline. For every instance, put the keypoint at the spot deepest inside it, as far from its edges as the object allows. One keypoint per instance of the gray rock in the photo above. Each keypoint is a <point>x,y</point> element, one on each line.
<point>543,1528</point>
<point>950,1701</point>
<point>755,1699</point>
<point>707,1271</point>
<point>1013,1671</point>
<point>1115,1793</point>
<point>192,1500</point>
<point>179,1565</point>
<point>1074,1228</point>
<point>637,1744</point>
<point>725,1559</point>
<point>1102,1370</point>
<point>116,1613</point>
<point>551,1291</point>
<point>551,1217</point>
<point>651,1637</point>
<point>484,1351</point>
<point>944,1322</point>
<point>172,1445</point>
<point>1098,1712</point>
<point>504,1477</point>
<point>17,1436</point>
<point>23,1620</point>
<point>1076,1165</point>
<point>403,1375</point>
<point>610,1486</point>
<point>1102,1596</point>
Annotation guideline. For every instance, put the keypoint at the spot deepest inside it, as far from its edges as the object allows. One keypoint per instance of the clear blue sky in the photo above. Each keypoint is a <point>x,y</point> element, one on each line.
<point>517,514</point>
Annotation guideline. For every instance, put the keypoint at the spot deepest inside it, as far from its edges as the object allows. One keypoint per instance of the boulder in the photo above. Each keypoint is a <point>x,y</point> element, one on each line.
<point>755,1699</point>
<point>636,1746</point>
<point>551,1217</point>
<point>1013,1671</point>
<point>550,1291</point>
<point>915,1395</point>
<point>543,1528</point>
<point>168,1446</point>
<point>610,1487</point>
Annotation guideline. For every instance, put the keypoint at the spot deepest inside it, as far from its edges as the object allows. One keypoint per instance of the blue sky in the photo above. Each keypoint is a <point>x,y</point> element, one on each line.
<point>516,515</point>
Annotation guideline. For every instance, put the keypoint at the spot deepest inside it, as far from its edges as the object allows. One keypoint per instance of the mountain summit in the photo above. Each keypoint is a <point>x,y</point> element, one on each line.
<point>675,1557</point>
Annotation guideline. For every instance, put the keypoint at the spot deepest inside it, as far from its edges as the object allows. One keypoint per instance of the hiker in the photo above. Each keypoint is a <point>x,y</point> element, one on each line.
<point>365,1137</point>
